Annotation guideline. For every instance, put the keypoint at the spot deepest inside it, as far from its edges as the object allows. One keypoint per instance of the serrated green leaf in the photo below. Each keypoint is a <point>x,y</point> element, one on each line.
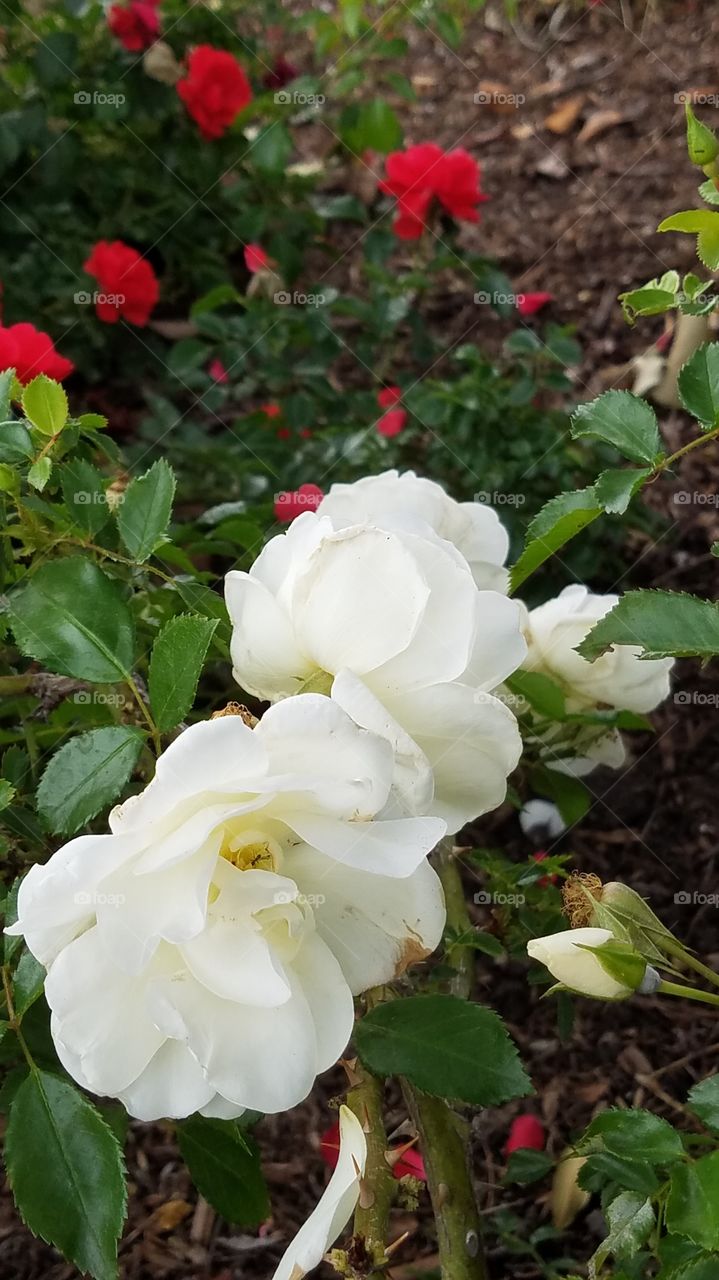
<point>541,692</point>
<point>209,603</point>
<point>526,1165</point>
<point>665,624</point>
<point>7,377</point>
<point>7,793</point>
<point>73,618</point>
<point>693,1199</point>
<point>615,489</point>
<point>634,1134</point>
<point>559,520</point>
<point>175,666</point>
<point>646,302</point>
<point>568,793</point>
<point>83,489</point>
<point>45,404</point>
<point>144,513</point>
<point>706,225</point>
<point>704,1101</point>
<point>630,1218</point>
<point>28,982</point>
<point>39,473</point>
<point>225,1168</point>
<point>446,1046</point>
<point>86,775</point>
<point>15,442</point>
<point>66,1173</point>
<point>708,191</point>
<point>623,420</point>
<point>698,385</point>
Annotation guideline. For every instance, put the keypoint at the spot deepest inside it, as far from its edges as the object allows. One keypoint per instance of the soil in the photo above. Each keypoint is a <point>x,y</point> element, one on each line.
<point>574,215</point>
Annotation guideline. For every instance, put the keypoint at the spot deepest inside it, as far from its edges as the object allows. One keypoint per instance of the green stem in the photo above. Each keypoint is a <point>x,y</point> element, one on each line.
<point>675,948</point>
<point>696,443</point>
<point>688,993</point>
<point>371,1220</point>
<point>455,1208</point>
<point>460,957</point>
<point>146,713</point>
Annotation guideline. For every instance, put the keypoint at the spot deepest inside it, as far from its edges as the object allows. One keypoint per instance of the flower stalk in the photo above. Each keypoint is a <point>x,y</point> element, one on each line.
<point>371,1220</point>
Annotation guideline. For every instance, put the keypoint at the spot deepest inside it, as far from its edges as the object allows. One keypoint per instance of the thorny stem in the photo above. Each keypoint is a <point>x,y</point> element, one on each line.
<point>461,957</point>
<point>450,1189</point>
<point>371,1221</point>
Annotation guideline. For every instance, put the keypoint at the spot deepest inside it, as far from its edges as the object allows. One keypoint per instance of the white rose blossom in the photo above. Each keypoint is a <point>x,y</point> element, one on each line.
<point>335,1208</point>
<point>418,505</point>
<point>393,623</point>
<point>619,678</point>
<point>205,954</point>
<point>579,970</point>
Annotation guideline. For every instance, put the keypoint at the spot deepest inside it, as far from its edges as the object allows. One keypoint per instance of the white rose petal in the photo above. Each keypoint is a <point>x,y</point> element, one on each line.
<point>204,956</point>
<point>336,1207</point>
<point>577,969</point>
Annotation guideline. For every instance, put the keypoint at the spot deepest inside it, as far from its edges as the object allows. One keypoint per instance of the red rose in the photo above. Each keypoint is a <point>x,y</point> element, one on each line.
<point>392,422</point>
<point>528,303</point>
<point>136,25</point>
<point>293,502</point>
<point>419,174</point>
<point>409,1162</point>
<point>388,397</point>
<point>30,352</point>
<point>128,283</point>
<point>255,258</point>
<point>271,410</point>
<point>214,90</point>
<point>281,73</point>
<point>217,371</point>
<point>525,1131</point>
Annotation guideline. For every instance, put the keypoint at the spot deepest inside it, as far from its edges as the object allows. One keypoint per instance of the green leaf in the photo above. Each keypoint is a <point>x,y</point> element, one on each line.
<point>177,657</point>
<point>662,623</point>
<point>706,225</point>
<point>15,442</point>
<point>704,1268</point>
<point>635,1134</point>
<point>698,385</point>
<point>225,1168</point>
<point>568,793</point>
<point>144,513</point>
<point>370,126</point>
<point>66,1173</point>
<point>526,1165</point>
<point>73,618</point>
<point>271,149</point>
<point>708,191</point>
<point>209,603</point>
<point>646,301</point>
<point>83,490</point>
<point>630,1218</point>
<point>702,145</point>
<point>615,489</point>
<point>704,1101</point>
<point>39,473</point>
<point>693,1202</point>
<point>541,692</point>
<point>7,377</point>
<point>444,1045</point>
<point>85,775</point>
<point>45,404</point>
<point>603,1168</point>
<point>621,419</point>
<point>559,520</point>
<point>28,982</point>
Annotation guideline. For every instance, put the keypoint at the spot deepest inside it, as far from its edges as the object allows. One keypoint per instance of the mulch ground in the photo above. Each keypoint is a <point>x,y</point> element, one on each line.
<point>580,173</point>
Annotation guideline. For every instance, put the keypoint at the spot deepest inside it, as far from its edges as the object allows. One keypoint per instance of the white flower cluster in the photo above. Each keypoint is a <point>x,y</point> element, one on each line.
<point>203,955</point>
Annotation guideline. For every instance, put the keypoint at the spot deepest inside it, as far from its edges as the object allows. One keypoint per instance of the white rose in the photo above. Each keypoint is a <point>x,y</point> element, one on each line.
<point>411,502</point>
<point>336,1207</point>
<point>204,955</point>
<point>618,679</point>
<point>580,970</point>
<point>395,627</point>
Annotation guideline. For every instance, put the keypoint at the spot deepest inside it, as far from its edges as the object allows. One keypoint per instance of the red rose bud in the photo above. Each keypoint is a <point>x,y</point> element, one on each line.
<point>529,303</point>
<point>215,89</point>
<point>128,284</point>
<point>525,1132</point>
<point>388,397</point>
<point>293,502</point>
<point>255,258</point>
<point>392,422</point>
<point>31,352</point>
<point>409,1164</point>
